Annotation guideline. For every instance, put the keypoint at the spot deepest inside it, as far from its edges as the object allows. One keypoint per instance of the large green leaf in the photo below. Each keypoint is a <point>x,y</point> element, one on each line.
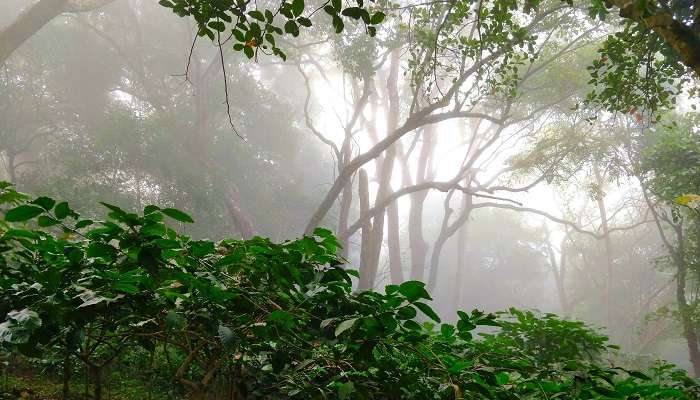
<point>414,290</point>
<point>344,326</point>
<point>177,215</point>
<point>22,213</point>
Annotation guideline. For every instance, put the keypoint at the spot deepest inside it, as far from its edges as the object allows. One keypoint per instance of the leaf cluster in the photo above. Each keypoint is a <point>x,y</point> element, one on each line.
<point>256,28</point>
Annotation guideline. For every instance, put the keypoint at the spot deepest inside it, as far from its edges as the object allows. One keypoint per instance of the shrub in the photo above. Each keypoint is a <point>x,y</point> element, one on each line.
<point>272,320</point>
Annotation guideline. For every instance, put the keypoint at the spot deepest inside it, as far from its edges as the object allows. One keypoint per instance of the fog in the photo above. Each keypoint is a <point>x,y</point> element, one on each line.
<point>496,199</point>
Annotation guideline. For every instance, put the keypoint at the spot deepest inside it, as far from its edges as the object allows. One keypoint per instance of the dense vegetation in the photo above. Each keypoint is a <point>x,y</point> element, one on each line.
<point>488,153</point>
<point>255,319</point>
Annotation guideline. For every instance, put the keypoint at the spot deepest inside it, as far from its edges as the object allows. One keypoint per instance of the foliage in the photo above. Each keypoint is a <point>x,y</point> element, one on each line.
<point>634,75</point>
<point>275,320</point>
<point>258,28</point>
<point>643,67</point>
<point>550,339</point>
<point>671,157</point>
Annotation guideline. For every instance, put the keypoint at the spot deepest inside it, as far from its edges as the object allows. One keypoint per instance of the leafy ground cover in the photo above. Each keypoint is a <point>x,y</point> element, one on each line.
<point>131,300</point>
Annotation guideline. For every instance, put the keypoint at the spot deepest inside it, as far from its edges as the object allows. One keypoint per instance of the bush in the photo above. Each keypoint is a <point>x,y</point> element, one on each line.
<point>263,320</point>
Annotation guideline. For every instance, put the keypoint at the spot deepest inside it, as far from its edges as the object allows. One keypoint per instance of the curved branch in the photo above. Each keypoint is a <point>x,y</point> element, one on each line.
<point>556,219</point>
<point>440,186</point>
<point>307,116</point>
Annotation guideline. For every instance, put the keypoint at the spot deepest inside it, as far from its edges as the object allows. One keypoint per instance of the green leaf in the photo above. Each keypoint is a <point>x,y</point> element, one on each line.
<point>414,290</point>
<point>100,250</point>
<point>150,209</point>
<point>353,12</point>
<point>152,229</point>
<point>45,202</point>
<point>240,36</point>
<point>427,311</point>
<point>291,28</point>
<point>297,7</point>
<point>23,213</point>
<point>125,287</point>
<point>21,233</point>
<point>447,331</point>
<point>337,5</point>
<point>62,210</point>
<point>303,21</point>
<point>83,223</point>
<point>46,221</point>
<point>230,259</point>
<point>411,325</point>
<point>338,24</point>
<point>177,215</point>
<point>113,208</point>
<point>282,319</point>
<point>201,248</point>
<point>257,15</point>
<point>502,378</point>
<point>377,18</point>
<point>406,312</point>
<point>346,390</point>
<point>459,366</point>
<point>217,26</point>
<point>344,326</point>
<point>638,375</point>
<point>391,289</point>
<point>19,326</point>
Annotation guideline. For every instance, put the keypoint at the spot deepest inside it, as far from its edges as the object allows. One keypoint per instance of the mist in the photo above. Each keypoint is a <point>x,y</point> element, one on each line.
<point>518,191</point>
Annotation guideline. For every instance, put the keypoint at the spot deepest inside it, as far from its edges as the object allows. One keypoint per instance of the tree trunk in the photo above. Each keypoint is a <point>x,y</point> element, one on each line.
<point>240,220</point>
<point>446,231</point>
<point>344,215</point>
<point>366,276</point>
<point>11,168</point>
<point>461,272</point>
<point>96,373</point>
<point>600,201</point>
<point>417,243</point>
<point>394,244</point>
<point>377,235</point>
<point>393,236</point>
<point>689,329</point>
<point>558,272</point>
<point>375,239</point>
<point>67,375</point>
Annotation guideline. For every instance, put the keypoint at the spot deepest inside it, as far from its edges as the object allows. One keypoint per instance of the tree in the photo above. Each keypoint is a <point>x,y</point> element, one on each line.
<point>669,168</point>
<point>677,22</point>
<point>487,119</point>
<point>128,130</point>
<point>36,16</point>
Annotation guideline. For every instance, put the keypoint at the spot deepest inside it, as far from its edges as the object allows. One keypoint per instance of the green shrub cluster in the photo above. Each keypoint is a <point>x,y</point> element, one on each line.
<point>274,321</point>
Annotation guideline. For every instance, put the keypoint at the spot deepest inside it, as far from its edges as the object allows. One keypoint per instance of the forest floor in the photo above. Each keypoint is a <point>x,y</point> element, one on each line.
<point>30,386</point>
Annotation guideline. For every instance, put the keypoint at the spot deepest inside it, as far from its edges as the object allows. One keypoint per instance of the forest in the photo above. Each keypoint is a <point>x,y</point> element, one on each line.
<point>349,199</point>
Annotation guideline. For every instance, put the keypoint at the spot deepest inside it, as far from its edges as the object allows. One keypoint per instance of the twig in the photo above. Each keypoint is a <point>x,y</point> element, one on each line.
<point>223,69</point>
